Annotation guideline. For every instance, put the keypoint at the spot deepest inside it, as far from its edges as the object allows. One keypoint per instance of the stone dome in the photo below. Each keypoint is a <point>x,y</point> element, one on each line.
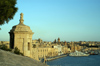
<point>21,27</point>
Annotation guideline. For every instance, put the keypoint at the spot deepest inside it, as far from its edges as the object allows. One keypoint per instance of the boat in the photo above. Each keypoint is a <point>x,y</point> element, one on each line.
<point>94,53</point>
<point>77,53</point>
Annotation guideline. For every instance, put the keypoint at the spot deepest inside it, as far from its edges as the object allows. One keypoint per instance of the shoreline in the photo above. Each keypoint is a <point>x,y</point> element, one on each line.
<point>71,61</point>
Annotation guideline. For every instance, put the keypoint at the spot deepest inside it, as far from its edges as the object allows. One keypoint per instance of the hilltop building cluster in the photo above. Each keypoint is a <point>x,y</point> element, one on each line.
<point>21,37</point>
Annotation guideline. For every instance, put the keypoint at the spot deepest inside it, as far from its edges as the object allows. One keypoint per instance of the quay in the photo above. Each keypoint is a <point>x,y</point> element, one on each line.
<point>56,57</point>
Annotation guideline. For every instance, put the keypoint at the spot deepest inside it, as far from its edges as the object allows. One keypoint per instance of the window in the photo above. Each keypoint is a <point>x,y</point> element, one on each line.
<point>28,46</point>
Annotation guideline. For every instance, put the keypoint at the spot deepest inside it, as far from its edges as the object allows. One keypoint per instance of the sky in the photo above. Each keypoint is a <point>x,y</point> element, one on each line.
<point>70,20</point>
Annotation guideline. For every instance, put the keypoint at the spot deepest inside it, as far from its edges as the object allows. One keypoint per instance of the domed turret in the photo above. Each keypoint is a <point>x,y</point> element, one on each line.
<point>21,37</point>
<point>21,27</point>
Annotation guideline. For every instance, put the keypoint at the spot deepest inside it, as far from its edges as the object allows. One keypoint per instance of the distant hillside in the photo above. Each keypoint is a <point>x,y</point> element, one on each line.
<point>10,59</point>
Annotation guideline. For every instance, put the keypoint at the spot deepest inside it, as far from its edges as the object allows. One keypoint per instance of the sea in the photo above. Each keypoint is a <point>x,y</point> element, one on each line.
<point>92,60</point>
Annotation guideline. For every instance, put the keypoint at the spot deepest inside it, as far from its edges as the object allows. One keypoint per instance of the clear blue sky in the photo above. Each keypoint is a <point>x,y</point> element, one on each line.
<point>70,20</point>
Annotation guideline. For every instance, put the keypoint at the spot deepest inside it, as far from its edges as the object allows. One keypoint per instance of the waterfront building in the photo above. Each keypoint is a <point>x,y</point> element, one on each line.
<point>42,52</point>
<point>72,47</point>
<point>59,47</point>
<point>65,50</point>
<point>75,47</point>
<point>78,48</point>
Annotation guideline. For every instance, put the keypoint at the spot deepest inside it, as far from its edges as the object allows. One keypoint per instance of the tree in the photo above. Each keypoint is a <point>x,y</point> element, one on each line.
<point>34,46</point>
<point>4,47</point>
<point>7,10</point>
<point>55,41</point>
<point>17,51</point>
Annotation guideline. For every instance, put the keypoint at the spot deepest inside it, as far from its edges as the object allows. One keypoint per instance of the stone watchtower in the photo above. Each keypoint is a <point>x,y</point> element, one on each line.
<point>21,37</point>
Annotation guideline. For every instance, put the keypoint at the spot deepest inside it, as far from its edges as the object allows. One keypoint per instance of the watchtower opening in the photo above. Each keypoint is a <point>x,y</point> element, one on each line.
<point>28,46</point>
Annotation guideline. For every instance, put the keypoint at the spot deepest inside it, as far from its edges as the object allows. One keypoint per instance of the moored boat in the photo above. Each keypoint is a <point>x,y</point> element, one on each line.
<point>77,53</point>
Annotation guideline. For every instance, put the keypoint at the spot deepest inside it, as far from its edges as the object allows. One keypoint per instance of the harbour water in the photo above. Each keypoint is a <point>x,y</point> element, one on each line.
<point>92,60</point>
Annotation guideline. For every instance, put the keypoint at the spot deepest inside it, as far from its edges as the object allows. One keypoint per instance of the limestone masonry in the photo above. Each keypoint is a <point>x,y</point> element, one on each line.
<point>21,37</point>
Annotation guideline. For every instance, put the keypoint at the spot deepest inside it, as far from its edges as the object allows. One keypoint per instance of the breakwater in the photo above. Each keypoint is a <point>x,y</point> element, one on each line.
<point>56,57</point>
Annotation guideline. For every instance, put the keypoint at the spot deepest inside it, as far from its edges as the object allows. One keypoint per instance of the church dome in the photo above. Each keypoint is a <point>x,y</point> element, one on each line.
<point>21,27</point>
<point>58,38</point>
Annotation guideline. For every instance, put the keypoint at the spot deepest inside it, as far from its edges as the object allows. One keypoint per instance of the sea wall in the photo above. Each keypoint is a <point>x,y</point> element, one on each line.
<point>53,58</point>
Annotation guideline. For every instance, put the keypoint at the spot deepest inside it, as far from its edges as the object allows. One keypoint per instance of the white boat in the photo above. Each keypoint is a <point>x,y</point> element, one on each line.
<point>77,53</point>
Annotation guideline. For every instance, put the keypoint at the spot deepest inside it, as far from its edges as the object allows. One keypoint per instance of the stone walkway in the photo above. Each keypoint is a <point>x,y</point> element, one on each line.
<point>10,59</point>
